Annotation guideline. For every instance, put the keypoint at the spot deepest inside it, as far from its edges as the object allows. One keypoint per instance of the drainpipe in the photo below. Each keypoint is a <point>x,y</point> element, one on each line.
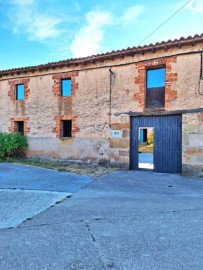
<point>110,95</point>
<point>201,74</point>
<point>201,62</point>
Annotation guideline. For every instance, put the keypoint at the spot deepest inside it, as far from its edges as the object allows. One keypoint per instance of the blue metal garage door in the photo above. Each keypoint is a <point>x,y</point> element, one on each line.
<point>167,142</point>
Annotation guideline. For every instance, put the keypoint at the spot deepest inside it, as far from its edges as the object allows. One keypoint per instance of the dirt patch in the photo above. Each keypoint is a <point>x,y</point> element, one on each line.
<point>91,169</point>
<point>146,148</point>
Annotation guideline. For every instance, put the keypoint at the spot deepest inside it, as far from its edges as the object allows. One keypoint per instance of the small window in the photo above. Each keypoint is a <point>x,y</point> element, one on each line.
<point>66,87</point>
<point>155,88</point>
<point>20,127</point>
<point>19,91</point>
<point>67,128</point>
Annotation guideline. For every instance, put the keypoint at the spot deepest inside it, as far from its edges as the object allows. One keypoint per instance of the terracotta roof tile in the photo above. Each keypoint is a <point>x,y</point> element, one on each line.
<point>109,55</point>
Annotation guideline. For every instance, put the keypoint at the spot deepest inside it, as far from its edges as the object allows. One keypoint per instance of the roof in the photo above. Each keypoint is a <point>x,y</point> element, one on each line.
<point>190,40</point>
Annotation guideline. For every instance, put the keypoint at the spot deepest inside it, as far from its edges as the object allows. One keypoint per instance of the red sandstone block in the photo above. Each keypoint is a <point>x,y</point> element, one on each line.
<point>137,80</point>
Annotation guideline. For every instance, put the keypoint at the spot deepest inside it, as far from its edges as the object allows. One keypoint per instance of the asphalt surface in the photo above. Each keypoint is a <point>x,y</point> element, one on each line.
<point>35,178</point>
<point>19,205</point>
<point>25,191</point>
<point>123,221</point>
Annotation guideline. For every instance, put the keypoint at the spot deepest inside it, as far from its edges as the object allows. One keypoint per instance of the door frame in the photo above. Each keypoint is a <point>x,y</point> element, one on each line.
<point>159,127</point>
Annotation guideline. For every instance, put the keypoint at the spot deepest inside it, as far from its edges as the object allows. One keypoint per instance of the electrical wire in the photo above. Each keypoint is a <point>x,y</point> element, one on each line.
<point>165,21</point>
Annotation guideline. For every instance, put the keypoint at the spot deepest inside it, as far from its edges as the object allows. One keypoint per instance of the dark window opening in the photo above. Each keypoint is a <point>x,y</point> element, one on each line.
<point>143,135</point>
<point>155,88</point>
<point>66,87</point>
<point>19,91</point>
<point>67,128</point>
<point>20,127</point>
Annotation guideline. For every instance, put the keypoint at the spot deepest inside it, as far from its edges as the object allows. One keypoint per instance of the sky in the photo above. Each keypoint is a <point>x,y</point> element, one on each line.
<point>34,32</point>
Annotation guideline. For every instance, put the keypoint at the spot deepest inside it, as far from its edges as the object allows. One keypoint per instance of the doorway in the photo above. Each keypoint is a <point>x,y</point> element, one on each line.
<point>146,148</point>
<point>166,145</point>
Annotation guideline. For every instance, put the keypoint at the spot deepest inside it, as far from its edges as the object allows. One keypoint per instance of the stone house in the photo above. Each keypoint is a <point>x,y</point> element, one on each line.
<point>91,108</point>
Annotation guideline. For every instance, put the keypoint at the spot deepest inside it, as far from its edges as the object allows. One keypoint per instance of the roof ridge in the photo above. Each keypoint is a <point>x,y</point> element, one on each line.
<point>109,55</point>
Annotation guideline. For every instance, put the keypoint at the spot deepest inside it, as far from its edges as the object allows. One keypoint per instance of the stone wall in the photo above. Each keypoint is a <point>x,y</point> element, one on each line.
<point>193,144</point>
<point>94,116</point>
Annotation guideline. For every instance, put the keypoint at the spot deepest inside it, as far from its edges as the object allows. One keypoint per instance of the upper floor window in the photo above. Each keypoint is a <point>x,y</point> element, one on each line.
<point>20,92</point>
<point>66,87</point>
<point>155,88</point>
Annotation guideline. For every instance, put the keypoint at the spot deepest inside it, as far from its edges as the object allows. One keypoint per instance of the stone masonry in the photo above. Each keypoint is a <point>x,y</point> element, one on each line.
<point>105,88</point>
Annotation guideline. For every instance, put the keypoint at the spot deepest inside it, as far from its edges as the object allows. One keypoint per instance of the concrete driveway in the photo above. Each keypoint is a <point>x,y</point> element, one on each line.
<point>123,221</point>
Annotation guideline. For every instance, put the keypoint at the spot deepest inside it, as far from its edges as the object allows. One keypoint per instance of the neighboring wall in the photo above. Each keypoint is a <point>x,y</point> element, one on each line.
<point>193,144</point>
<point>89,105</point>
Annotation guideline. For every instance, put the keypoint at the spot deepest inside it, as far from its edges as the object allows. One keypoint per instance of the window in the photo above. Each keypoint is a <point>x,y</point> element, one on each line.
<point>20,127</point>
<point>66,87</point>
<point>19,91</point>
<point>67,128</point>
<point>155,88</point>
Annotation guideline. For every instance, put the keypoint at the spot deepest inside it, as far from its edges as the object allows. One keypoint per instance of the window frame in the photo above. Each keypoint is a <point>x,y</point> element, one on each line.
<point>61,92</point>
<point>19,129</point>
<point>162,104</point>
<point>17,90</point>
<point>69,127</point>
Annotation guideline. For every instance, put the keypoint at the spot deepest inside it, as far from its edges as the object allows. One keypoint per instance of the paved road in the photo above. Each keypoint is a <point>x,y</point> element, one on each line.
<point>26,191</point>
<point>35,178</point>
<point>123,221</point>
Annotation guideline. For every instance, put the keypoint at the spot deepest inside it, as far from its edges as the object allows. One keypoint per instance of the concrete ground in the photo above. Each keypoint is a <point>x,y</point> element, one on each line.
<point>124,221</point>
<point>26,191</point>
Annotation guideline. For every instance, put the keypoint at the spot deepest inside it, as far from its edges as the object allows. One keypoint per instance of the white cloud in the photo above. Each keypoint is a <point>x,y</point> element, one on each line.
<point>39,27</point>
<point>88,39</point>
<point>54,30</point>
<point>44,27</point>
<point>132,13</point>
<point>28,20</point>
<point>196,5</point>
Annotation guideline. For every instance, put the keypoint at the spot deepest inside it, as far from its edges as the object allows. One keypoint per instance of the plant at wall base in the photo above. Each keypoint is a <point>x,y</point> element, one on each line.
<point>12,145</point>
<point>2,145</point>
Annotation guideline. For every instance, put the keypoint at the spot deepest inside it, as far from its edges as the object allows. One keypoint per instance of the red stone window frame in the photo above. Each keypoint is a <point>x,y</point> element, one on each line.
<point>57,83</point>
<point>12,91</point>
<point>13,124</point>
<point>170,94</point>
<point>58,125</point>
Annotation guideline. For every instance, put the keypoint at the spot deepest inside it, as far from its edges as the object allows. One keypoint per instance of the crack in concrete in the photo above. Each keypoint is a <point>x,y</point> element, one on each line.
<point>97,218</point>
<point>33,215</point>
<point>108,264</point>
